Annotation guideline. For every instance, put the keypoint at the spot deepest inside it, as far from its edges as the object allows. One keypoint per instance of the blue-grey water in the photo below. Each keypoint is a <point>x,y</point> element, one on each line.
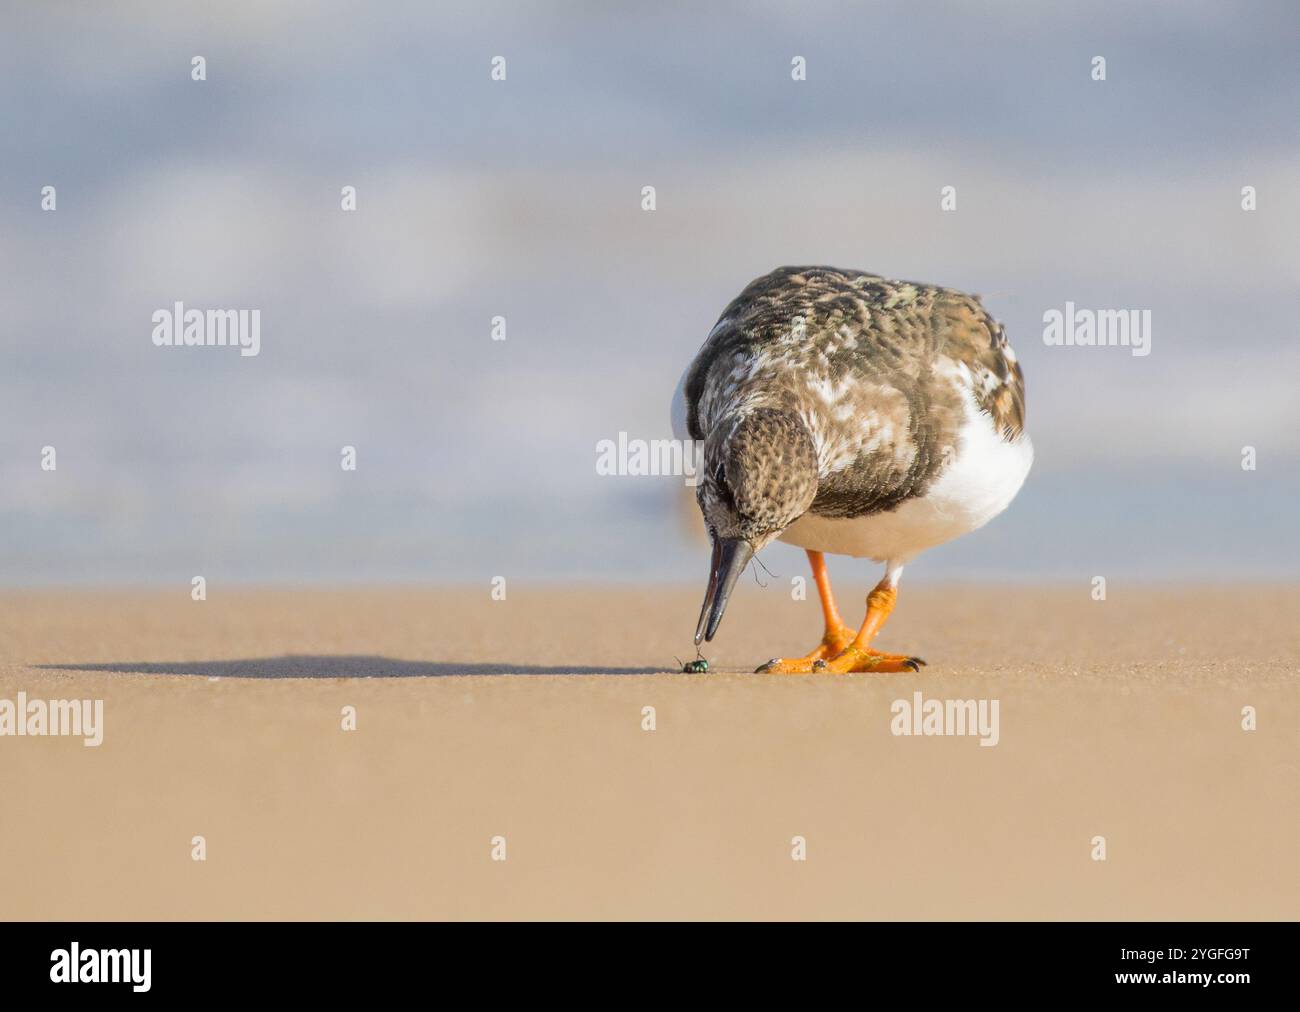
<point>522,198</point>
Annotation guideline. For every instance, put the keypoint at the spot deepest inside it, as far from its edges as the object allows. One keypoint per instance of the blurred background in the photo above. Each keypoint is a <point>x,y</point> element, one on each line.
<point>522,199</point>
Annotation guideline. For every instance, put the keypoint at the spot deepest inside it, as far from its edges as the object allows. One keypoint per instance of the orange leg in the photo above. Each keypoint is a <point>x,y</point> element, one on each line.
<point>838,654</point>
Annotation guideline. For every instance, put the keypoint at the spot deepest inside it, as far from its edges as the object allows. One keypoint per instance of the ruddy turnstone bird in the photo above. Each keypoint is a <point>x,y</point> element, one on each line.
<point>846,413</point>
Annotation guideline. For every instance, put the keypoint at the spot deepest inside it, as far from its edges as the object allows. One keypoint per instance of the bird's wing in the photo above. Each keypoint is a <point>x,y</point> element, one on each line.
<point>974,340</point>
<point>879,369</point>
<point>833,324</point>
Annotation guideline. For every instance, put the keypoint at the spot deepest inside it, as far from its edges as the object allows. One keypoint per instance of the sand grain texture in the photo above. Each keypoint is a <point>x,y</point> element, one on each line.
<point>523,718</point>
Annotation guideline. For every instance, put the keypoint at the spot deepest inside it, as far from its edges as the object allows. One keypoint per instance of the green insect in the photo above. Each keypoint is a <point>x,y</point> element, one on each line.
<point>699,666</point>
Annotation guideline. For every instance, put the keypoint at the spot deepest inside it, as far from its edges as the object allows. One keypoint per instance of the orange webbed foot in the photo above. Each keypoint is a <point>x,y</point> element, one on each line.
<point>832,645</point>
<point>851,660</point>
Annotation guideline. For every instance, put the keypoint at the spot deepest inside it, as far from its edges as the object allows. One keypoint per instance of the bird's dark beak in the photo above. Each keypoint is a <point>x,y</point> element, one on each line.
<point>730,557</point>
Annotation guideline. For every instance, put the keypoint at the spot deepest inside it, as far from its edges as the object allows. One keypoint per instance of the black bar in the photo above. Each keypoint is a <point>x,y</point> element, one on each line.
<point>374,960</point>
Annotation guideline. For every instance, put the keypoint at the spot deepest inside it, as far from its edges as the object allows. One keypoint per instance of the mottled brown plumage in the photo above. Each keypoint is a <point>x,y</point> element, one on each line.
<point>876,369</point>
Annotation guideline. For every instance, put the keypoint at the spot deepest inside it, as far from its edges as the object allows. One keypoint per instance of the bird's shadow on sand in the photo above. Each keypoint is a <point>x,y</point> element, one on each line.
<point>354,666</point>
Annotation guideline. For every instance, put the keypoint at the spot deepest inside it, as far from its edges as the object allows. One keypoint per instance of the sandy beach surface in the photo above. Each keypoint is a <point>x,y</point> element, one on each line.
<point>525,719</point>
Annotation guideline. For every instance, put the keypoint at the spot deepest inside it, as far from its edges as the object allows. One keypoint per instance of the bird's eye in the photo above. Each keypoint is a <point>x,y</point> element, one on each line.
<point>725,494</point>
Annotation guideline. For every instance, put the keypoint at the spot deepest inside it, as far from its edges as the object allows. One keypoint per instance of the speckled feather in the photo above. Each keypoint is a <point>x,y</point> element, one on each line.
<point>877,370</point>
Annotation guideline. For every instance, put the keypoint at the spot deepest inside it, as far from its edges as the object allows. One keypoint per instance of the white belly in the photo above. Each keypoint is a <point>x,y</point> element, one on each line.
<point>985,475</point>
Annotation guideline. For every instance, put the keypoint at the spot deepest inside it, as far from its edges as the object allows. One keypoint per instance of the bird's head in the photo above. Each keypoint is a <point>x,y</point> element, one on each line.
<point>759,475</point>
